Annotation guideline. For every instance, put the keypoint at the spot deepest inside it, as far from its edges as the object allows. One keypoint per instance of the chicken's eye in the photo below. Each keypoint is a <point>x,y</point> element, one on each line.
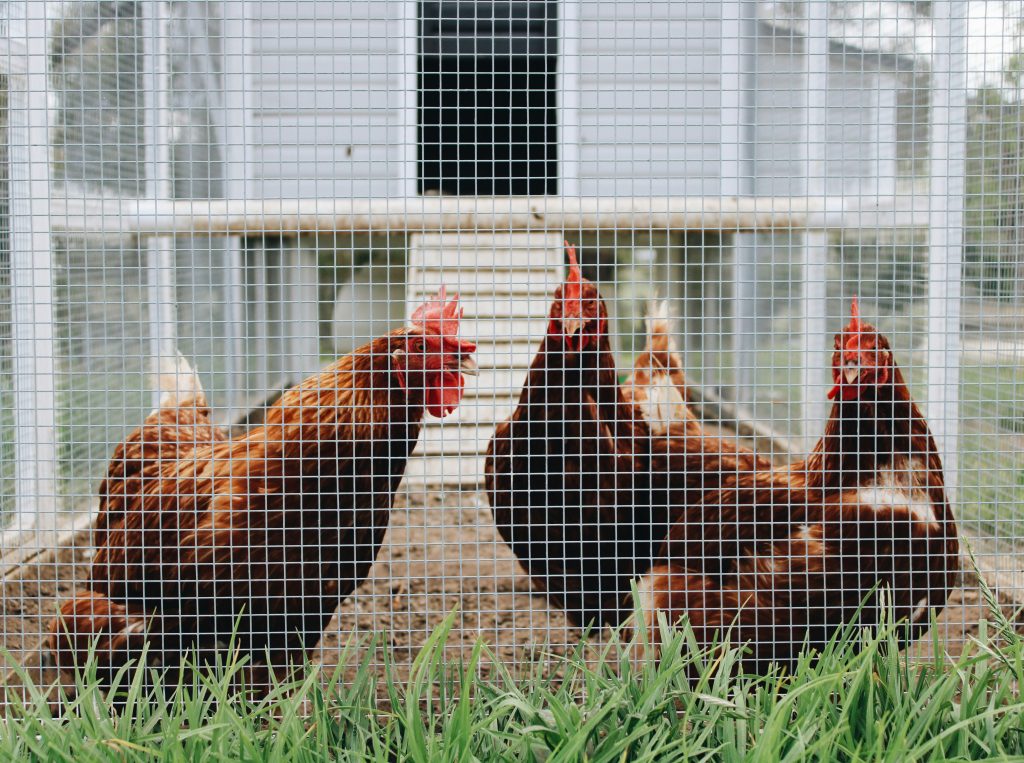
<point>418,346</point>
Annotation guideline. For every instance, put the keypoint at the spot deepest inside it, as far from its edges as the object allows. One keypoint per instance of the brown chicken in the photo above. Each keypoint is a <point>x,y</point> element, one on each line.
<point>580,489</point>
<point>785,557</point>
<point>270,530</point>
<point>657,386</point>
<point>563,486</point>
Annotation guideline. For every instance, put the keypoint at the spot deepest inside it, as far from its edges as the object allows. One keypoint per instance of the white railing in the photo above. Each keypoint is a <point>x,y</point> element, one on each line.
<point>253,217</point>
<point>157,222</point>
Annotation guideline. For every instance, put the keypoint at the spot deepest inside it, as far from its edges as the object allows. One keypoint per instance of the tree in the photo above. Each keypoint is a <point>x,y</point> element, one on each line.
<point>994,242</point>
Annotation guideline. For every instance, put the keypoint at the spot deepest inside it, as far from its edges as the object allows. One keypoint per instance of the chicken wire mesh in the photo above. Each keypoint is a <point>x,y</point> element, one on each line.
<point>264,187</point>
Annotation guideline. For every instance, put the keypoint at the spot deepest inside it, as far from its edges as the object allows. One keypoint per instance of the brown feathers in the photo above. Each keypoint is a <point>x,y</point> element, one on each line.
<point>787,556</point>
<point>269,531</point>
<point>581,485</point>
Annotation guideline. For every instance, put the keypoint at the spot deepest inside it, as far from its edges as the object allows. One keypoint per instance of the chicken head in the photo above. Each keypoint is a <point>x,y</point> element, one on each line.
<point>580,317</point>
<point>862,360</point>
<point>432,358</point>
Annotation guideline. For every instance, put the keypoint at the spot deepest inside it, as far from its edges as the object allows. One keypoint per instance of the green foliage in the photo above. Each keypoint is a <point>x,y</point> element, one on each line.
<point>861,699</point>
<point>994,246</point>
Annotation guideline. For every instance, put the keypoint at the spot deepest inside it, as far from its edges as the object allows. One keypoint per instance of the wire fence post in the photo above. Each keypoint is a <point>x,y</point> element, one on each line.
<point>247,320</point>
<point>948,127</point>
<point>160,252</point>
<point>32,110</point>
<point>814,355</point>
<point>739,31</point>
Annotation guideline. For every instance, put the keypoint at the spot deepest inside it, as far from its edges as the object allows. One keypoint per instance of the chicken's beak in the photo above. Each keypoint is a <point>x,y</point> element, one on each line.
<point>572,326</point>
<point>851,372</point>
<point>468,366</point>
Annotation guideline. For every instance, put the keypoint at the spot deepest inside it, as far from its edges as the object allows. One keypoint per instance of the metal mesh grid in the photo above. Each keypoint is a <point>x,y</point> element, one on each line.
<point>265,186</point>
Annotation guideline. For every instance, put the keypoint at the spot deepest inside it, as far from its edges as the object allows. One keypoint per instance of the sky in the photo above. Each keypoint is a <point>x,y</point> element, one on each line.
<point>993,35</point>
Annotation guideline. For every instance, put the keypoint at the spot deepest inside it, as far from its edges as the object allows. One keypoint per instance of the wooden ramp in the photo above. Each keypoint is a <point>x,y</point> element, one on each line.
<point>504,281</point>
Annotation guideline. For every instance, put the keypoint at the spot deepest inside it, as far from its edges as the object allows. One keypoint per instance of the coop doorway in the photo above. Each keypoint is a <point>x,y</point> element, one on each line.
<point>487,87</point>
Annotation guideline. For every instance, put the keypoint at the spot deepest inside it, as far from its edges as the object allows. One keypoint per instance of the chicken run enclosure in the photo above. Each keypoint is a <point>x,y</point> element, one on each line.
<point>256,189</point>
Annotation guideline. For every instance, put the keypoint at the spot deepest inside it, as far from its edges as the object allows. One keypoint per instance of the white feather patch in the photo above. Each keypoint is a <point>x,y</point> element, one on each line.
<point>920,610</point>
<point>892,498</point>
<point>664,404</point>
<point>645,598</point>
<point>176,379</point>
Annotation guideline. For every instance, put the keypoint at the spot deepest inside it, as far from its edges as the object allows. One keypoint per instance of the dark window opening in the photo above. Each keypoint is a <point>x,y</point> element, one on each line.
<point>487,98</point>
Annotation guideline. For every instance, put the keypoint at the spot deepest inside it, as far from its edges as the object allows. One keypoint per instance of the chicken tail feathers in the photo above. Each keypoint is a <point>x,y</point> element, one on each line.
<point>659,385</point>
<point>178,382</point>
<point>660,344</point>
<point>91,625</point>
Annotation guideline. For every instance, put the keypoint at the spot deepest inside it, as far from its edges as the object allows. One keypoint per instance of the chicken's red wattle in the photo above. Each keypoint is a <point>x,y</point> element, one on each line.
<point>444,391</point>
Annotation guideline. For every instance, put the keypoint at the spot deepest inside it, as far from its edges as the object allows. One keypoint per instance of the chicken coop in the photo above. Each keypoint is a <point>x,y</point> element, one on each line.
<point>256,189</point>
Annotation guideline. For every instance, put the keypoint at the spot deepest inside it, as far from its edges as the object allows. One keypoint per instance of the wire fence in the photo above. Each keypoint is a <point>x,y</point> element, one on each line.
<point>264,187</point>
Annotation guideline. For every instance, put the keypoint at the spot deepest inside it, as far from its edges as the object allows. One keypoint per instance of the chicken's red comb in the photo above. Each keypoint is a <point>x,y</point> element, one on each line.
<point>854,326</point>
<point>574,281</point>
<point>439,316</point>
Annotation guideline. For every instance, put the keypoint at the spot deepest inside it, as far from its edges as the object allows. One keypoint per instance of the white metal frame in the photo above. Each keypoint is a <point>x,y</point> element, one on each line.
<point>816,347</point>
<point>36,215</point>
<point>568,98</point>
<point>234,138</point>
<point>34,349</point>
<point>410,97</point>
<point>739,26</point>
<point>948,126</point>
<point>160,255</point>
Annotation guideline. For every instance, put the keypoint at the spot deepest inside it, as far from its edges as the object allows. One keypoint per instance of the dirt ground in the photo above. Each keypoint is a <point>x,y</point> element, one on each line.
<point>441,555</point>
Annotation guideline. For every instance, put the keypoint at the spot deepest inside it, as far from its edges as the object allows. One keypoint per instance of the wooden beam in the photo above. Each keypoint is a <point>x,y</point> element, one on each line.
<point>250,217</point>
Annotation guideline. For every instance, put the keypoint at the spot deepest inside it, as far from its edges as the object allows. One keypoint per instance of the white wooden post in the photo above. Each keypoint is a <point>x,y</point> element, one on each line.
<point>300,313</point>
<point>254,330</point>
<point>945,230</point>
<point>32,113</point>
<point>160,252</point>
<point>739,30</point>
<point>884,127</point>
<point>229,125</point>
<point>814,355</point>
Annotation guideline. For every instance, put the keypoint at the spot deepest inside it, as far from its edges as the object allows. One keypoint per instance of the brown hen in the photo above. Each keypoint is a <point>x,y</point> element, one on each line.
<point>268,532</point>
<point>580,488</point>
<point>786,557</point>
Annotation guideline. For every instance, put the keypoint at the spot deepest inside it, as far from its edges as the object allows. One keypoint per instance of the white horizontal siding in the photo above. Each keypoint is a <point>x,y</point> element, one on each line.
<point>327,103</point>
<point>368,96</point>
<point>505,283</point>
<point>851,131</point>
<point>658,35</point>
<point>859,154</point>
<point>780,100</point>
<point>649,103</point>
<point>332,34</point>
<point>650,9</point>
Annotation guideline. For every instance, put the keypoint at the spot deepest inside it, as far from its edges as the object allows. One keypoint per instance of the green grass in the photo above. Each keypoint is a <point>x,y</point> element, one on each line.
<point>862,700</point>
